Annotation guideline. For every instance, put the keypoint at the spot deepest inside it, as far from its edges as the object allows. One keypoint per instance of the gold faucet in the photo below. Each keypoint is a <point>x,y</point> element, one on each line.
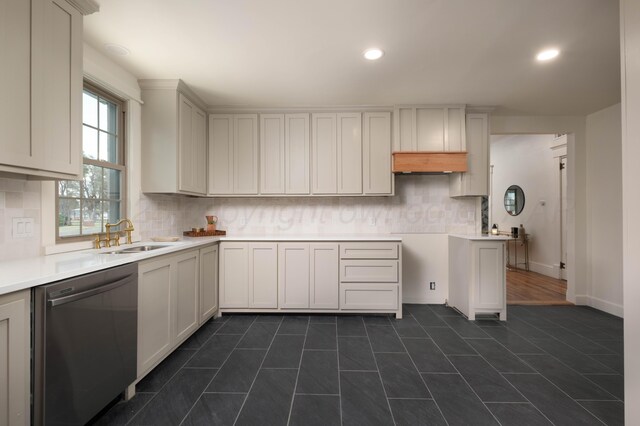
<point>128,230</point>
<point>116,238</point>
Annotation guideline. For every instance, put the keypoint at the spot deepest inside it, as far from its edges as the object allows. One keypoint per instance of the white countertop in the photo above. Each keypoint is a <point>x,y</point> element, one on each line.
<point>482,237</point>
<point>26,273</point>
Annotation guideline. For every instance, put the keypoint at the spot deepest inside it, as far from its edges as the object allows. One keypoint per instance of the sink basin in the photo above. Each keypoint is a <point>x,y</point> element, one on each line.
<point>137,249</point>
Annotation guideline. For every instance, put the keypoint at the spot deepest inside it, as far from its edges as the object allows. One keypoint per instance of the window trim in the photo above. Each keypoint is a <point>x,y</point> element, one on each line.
<point>121,166</point>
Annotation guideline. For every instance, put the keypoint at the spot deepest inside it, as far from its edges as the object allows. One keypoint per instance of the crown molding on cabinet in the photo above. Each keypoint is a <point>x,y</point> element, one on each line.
<point>86,7</point>
<point>173,84</point>
<point>230,109</point>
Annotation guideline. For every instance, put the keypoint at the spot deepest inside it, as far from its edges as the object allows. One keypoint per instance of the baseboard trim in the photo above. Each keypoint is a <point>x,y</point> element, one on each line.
<point>544,269</point>
<point>601,305</point>
<point>424,300</point>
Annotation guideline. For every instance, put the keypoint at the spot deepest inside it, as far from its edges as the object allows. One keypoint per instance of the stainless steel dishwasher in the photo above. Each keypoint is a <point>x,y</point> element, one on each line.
<point>85,344</point>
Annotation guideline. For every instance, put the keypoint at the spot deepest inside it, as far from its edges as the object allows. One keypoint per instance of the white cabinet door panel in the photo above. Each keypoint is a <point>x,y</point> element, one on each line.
<point>220,154</point>
<point>324,282</point>
<point>324,154</point>
<point>208,282</point>
<point>376,156</point>
<point>293,275</point>
<point>349,153</point>
<point>373,250</point>
<point>489,271</point>
<point>187,150</point>
<point>297,153</point>
<point>187,280</point>
<point>234,275</point>
<point>155,305</point>
<point>263,275</point>
<point>245,154</point>
<point>272,154</point>
<point>430,129</point>
<point>200,150</point>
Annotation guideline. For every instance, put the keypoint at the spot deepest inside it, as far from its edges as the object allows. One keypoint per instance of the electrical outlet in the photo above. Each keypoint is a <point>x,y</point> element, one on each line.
<point>22,227</point>
<point>432,285</point>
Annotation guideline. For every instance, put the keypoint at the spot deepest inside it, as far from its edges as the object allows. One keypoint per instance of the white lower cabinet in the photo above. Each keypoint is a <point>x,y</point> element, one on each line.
<point>263,275</point>
<point>311,276</point>
<point>293,275</point>
<point>234,275</point>
<point>477,279</point>
<point>15,378</point>
<point>323,276</point>
<point>308,275</point>
<point>169,304</point>
<point>249,275</point>
<point>208,283</point>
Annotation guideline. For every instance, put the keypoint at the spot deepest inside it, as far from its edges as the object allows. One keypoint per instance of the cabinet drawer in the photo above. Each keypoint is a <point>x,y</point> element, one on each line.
<point>369,251</point>
<point>368,271</point>
<point>369,296</point>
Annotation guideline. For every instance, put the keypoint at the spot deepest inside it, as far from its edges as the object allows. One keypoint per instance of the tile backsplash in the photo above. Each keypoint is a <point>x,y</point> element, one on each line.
<point>19,198</point>
<point>421,205</point>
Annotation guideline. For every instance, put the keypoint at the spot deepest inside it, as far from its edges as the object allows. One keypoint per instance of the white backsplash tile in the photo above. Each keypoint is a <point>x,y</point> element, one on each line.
<point>421,205</point>
<point>19,198</point>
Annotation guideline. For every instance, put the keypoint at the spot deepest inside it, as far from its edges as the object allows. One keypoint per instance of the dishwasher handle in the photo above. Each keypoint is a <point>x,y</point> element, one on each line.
<point>101,289</point>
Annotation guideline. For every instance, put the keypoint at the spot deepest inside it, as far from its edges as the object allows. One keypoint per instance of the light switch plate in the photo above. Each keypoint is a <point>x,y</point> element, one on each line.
<point>22,227</point>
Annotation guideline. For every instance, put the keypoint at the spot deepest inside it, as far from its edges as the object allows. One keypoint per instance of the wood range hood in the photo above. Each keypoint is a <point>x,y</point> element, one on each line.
<point>430,162</point>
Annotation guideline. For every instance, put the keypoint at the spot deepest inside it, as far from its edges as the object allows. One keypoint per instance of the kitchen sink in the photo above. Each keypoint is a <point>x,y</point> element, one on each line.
<point>136,249</point>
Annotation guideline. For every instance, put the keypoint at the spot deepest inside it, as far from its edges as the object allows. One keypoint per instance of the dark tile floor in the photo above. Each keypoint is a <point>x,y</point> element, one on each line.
<point>545,365</point>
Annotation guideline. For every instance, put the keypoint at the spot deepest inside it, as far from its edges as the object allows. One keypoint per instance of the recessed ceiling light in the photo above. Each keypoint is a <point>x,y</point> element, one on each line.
<point>373,54</point>
<point>547,55</point>
<point>116,49</point>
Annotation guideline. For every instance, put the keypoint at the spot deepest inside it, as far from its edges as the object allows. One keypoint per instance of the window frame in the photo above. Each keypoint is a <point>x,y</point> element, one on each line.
<point>121,166</point>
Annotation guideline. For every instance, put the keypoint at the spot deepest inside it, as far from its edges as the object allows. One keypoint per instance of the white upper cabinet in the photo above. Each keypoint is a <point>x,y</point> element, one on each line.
<point>376,157</point>
<point>325,159</point>
<point>429,128</point>
<point>337,153</point>
<point>220,154</point>
<point>272,154</point>
<point>349,128</point>
<point>173,139</point>
<point>475,182</point>
<point>41,83</point>
<point>296,153</point>
<point>233,154</point>
<point>193,147</point>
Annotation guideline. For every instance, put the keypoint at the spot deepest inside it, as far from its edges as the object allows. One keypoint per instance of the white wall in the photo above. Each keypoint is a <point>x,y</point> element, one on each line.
<point>528,161</point>
<point>630,55</point>
<point>604,212</point>
<point>575,128</point>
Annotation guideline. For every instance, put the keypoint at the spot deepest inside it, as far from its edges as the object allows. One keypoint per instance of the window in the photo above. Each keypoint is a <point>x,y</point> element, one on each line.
<point>84,207</point>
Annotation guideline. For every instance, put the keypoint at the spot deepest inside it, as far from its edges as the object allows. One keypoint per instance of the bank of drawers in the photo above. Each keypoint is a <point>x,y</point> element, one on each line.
<point>369,275</point>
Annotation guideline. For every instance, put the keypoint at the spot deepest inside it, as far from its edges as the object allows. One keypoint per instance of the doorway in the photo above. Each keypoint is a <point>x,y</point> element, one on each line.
<point>528,189</point>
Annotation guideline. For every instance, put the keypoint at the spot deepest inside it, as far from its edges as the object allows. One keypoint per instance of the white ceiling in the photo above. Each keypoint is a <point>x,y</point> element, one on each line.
<point>309,52</point>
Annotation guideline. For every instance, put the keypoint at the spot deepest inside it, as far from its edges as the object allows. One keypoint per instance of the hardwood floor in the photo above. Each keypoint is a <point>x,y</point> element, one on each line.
<point>531,288</point>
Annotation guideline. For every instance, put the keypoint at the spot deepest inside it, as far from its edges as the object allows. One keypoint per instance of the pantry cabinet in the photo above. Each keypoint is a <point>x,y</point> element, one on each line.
<point>168,298</point>
<point>41,83</point>
<point>429,128</point>
<point>15,376</point>
<point>174,145</point>
<point>475,181</point>
<point>233,154</point>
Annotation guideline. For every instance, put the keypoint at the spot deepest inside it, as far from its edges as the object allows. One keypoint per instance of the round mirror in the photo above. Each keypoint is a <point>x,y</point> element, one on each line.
<point>514,200</point>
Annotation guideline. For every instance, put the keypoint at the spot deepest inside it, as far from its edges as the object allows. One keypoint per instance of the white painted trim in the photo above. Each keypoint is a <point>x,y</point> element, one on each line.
<point>601,305</point>
<point>424,300</point>
<point>544,269</point>
<point>86,7</point>
<point>235,109</point>
<point>173,84</point>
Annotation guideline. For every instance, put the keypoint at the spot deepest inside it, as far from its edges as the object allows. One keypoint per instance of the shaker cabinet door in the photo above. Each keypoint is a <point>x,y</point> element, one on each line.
<point>234,275</point>
<point>221,154</point>
<point>324,153</point>
<point>293,275</point>
<point>349,153</point>
<point>272,154</point>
